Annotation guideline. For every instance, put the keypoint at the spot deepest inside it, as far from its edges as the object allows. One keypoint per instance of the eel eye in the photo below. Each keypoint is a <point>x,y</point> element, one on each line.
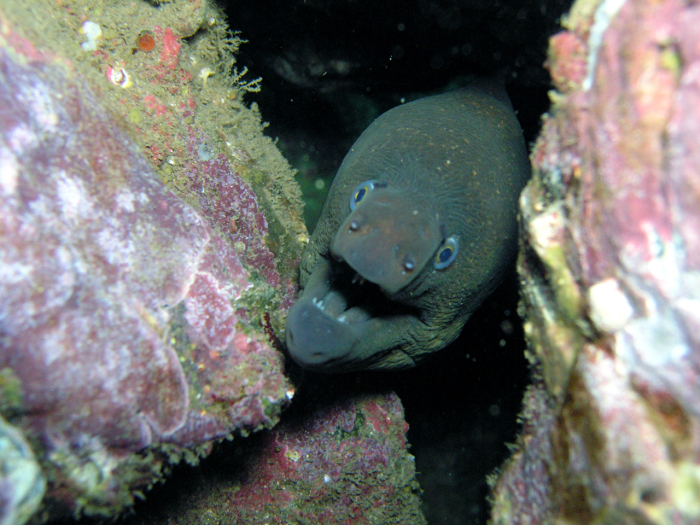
<point>360,192</point>
<point>446,253</point>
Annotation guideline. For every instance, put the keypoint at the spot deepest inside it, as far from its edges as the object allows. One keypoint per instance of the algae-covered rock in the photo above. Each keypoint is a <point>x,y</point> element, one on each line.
<point>335,460</point>
<point>139,292</point>
<point>610,263</point>
<point>149,241</point>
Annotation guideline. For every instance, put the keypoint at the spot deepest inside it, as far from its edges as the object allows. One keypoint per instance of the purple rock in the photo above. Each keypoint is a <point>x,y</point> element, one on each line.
<point>611,272</point>
<point>344,463</point>
<point>122,319</point>
<point>338,461</point>
<point>234,207</point>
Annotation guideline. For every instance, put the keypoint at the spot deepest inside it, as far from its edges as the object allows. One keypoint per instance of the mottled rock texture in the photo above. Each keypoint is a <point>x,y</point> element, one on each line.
<point>149,238</point>
<point>346,462</point>
<point>610,264</point>
<point>130,321</point>
<point>334,459</point>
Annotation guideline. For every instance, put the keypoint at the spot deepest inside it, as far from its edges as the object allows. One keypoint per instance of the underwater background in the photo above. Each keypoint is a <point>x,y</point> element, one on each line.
<point>162,164</point>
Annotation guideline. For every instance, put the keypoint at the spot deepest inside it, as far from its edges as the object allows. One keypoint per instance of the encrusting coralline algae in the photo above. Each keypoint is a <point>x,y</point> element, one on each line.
<point>149,236</point>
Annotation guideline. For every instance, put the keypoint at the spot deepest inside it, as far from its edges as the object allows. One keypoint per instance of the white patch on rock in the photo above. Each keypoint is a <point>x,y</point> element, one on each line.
<point>603,17</point>
<point>92,31</point>
<point>9,171</point>
<point>126,200</point>
<point>656,341</point>
<point>143,198</point>
<point>610,308</point>
<point>43,110</point>
<point>115,249</point>
<point>72,197</point>
<point>21,139</point>
<point>12,273</point>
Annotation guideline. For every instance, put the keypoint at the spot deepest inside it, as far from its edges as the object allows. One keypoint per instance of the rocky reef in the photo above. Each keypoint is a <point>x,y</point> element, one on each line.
<point>610,267</point>
<point>331,461</point>
<point>129,326</point>
<point>149,237</point>
<point>148,245</point>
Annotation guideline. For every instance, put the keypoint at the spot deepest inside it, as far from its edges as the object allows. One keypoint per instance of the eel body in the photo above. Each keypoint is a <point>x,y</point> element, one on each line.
<point>418,228</point>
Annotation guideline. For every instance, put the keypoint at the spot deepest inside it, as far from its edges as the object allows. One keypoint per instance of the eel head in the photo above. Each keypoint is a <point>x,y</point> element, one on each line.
<point>348,316</point>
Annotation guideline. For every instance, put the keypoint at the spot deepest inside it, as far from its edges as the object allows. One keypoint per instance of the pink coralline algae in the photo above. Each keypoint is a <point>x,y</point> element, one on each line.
<point>611,271</point>
<point>336,462</point>
<point>234,207</point>
<point>170,47</point>
<point>125,336</point>
<point>347,463</point>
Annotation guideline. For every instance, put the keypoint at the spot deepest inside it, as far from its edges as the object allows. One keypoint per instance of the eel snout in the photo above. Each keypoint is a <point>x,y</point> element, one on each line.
<point>388,239</point>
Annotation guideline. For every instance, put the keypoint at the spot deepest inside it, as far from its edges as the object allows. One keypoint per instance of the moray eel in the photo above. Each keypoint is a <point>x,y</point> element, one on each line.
<point>418,229</point>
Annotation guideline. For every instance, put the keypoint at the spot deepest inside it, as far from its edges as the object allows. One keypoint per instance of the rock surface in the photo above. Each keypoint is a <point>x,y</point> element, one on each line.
<point>126,336</point>
<point>610,261</point>
<point>334,459</point>
<point>149,235</point>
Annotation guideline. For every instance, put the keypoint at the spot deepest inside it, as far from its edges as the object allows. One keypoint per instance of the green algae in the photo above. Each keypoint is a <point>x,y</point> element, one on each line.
<point>11,394</point>
<point>205,84</point>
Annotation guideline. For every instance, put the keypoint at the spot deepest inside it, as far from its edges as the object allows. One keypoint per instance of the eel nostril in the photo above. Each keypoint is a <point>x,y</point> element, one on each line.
<point>354,226</point>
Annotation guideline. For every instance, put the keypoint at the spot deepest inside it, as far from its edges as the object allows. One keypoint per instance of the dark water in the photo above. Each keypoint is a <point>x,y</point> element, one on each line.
<point>330,67</point>
<point>462,407</point>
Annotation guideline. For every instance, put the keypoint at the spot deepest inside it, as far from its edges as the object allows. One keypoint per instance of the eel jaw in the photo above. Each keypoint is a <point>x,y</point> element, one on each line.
<point>322,332</point>
<point>317,340</point>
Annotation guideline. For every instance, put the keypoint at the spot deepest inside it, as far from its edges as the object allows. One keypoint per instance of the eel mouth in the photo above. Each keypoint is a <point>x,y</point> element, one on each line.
<point>332,325</point>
